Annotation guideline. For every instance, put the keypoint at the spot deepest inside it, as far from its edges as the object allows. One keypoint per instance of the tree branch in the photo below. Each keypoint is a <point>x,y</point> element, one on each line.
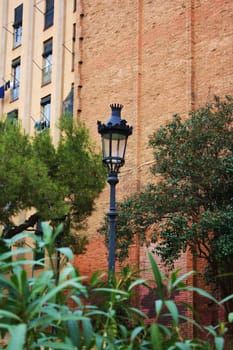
<point>30,222</point>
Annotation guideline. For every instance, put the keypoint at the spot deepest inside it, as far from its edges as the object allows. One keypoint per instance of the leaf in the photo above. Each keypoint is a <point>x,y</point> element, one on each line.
<point>181,278</point>
<point>201,292</point>
<point>156,337</point>
<point>136,283</point>
<point>158,306</point>
<point>74,333</point>
<point>230,317</point>
<point>87,331</point>
<point>66,272</point>
<point>183,346</point>
<point>110,290</point>
<point>54,345</point>
<point>157,275</point>
<point>99,340</point>
<point>138,312</point>
<point>8,314</point>
<point>67,252</point>
<point>219,343</point>
<point>173,310</point>
<point>18,336</point>
<point>226,299</point>
<point>135,333</point>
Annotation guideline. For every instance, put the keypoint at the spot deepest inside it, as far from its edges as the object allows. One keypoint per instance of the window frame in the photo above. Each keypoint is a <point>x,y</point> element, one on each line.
<point>47,61</point>
<point>45,104</point>
<point>16,68</point>
<point>18,26</point>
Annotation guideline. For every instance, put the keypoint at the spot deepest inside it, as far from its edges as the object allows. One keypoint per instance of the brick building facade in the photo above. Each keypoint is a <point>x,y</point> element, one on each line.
<point>156,58</point>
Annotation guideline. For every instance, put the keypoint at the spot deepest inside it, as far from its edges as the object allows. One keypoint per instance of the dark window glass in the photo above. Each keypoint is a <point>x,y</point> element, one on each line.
<point>49,13</point>
<point>18,23</point>
<point>12,117</point>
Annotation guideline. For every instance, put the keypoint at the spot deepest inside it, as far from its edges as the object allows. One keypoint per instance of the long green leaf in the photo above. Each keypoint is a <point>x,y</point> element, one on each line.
<point>8,314</point>
<point>156,337</point>
<point>226,299</point>
<point>157,275</point>
<point>87,331</point>
<point>170,304</point>
<point>181,278</point>
<point>18,337</point>
<point>136,283</point>
<point>74,333</point>
<point>201,292</point>
<point>158,306</point>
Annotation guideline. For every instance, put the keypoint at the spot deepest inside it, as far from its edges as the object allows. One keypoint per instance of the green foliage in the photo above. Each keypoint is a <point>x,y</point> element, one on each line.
<point>191,206</point>
<point>44,312</point>
<point>58,184</point>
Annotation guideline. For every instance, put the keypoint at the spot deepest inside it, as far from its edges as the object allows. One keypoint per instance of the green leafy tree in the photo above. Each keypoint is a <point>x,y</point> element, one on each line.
<point>57,184</point>
<point>190,207</point>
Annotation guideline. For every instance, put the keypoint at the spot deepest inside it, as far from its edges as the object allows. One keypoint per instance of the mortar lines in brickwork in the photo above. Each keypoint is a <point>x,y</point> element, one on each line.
<point>139,91</point>
<point>80,57</point>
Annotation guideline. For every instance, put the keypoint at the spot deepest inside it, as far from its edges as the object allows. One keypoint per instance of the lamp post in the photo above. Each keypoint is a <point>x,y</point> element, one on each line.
<point>114,136</point>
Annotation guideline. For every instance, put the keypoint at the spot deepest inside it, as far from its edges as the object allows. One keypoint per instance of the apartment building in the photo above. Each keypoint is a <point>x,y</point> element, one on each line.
<point>37,51</point>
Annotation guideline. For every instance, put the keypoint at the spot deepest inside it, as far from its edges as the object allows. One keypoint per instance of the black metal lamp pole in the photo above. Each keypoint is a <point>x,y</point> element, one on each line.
<point>114,136</point>
<point>112,214</point>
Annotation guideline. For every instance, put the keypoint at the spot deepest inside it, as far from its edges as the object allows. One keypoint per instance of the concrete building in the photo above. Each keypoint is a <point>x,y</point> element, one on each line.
<point>37,53</point>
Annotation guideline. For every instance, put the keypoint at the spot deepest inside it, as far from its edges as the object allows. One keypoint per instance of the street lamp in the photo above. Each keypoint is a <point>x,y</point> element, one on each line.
<point>114,136</point>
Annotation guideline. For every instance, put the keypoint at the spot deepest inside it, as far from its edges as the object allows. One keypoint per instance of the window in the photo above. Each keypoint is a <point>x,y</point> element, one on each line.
<point>18,22</point>
<point>45,112</point>
<point>49,12</point>
<point>16,79</point>
<point>47,62</point>
<point>73,46</point>
<point>12,117</point>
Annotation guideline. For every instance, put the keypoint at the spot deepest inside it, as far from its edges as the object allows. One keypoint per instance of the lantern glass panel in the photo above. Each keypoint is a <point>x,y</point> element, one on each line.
<point>105,146</point>
<point>118,147</point>
<point>113,145</point>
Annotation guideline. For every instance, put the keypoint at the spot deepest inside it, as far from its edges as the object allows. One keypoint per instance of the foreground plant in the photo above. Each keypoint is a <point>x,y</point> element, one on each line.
<point>62,311</point>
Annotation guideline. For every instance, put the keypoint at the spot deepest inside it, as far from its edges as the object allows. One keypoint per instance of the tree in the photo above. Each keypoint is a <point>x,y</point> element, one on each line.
<point>190,207</point>
<point>55,184</point>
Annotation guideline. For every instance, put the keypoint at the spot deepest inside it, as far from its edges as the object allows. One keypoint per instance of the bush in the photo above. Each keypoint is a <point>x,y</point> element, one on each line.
<point>60,310</point>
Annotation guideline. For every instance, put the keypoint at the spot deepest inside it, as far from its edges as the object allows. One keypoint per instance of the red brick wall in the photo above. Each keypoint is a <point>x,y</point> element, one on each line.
<point>156,58</point>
